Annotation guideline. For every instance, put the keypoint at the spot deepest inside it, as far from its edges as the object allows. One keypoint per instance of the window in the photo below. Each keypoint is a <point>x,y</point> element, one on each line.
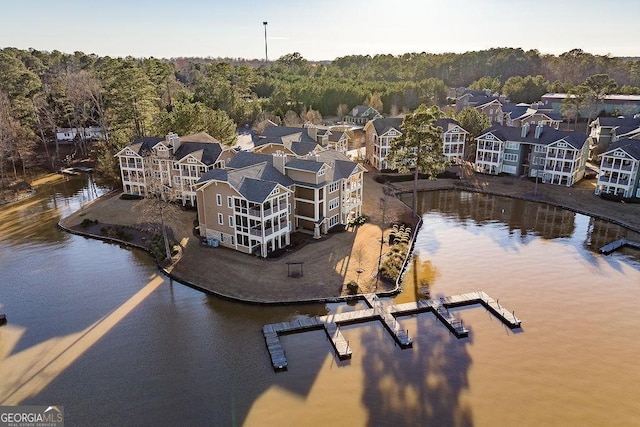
<point>540,149</point>
<point>333,203</point>
<point>230,220</point>
<point>333,221</point>
<point>220,219</point>
<point>229,202</point>
<point>321,171</point>
<point>508,157</point>
<point>509,169</point>
<point>511,146</point>
<point>176,180</point>
<point>218,199</point>
<point>334,186</point>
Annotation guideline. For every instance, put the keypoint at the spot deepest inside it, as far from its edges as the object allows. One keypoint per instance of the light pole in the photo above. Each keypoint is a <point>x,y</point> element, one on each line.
<point>266,57</point>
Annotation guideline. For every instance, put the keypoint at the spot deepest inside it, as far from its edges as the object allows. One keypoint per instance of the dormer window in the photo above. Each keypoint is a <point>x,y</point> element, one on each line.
<point>321,172</point>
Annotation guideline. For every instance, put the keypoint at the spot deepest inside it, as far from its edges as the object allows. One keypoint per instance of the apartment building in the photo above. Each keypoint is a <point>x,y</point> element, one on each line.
<point>557,157</point>
<point>256,202</point>
<point>170,166</point>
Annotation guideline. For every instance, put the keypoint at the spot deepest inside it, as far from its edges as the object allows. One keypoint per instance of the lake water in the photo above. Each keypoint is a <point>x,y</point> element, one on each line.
<point>95,328</point>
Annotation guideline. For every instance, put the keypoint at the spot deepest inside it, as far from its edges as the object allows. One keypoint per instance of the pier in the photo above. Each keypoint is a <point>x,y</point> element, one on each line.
<point>614,246</point>
<point>388,316</point>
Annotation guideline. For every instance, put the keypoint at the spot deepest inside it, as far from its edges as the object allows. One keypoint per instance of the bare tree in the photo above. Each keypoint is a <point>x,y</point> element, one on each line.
<point>311,116</point>
<point>292,119</point>
<point>8,127</point>
<point>156,210</point>
<point>342,111</point>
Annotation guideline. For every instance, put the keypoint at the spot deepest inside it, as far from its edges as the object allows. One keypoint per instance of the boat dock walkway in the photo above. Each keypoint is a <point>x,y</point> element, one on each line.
<point>388,315</point>
<point>613,246</point>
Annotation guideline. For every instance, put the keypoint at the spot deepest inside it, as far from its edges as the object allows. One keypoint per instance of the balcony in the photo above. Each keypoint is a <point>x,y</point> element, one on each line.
<point>278,226</point>
<point>617,166</point>
<point>558,169</point>
<point>193,174</point>
<point>614,180</point>
<point>352,186</point>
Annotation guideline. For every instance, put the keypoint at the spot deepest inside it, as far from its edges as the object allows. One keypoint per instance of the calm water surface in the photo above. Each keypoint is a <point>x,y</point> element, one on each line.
<point>93,327</point>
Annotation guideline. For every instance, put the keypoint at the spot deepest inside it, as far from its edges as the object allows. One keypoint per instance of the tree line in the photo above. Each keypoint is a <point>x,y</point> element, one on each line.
<point>130,97</point>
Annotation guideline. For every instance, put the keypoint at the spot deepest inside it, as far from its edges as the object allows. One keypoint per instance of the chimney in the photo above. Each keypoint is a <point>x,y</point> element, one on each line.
<point>312,131</point>
<point>525,130</point>
<point>173,140</point>
<point>279,160</point>
<point>538,132</point>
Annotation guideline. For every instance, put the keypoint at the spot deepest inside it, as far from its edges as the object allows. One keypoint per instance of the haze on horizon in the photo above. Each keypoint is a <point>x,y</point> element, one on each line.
<point>320,30</point>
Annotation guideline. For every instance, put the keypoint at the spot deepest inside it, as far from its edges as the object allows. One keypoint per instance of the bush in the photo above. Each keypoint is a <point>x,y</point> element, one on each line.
<point>125,196</point>
<point>87,222</point>
<point>359,221</point>
<point>352,288</point>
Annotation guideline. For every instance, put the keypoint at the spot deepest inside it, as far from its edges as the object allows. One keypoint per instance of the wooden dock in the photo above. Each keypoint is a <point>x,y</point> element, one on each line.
<point>614,246</point>
<point>388,316</point>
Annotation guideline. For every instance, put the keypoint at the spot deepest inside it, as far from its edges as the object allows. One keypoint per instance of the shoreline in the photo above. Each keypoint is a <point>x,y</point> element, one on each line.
<point>330,262</point>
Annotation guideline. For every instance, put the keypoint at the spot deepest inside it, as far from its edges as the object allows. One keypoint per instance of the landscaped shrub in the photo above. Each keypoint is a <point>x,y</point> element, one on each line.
<point>125,196</point>
<point>391,266</point>
<point>359,221</point>
<point>352,288</point>
<point>87,222</point>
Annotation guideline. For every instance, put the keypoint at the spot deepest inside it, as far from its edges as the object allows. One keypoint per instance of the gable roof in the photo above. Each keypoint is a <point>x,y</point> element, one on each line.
<point>335,135</point>
<point>484,101</point>
<point>613,122</point>
<point>362,111</point>
<point>548,135</point>
<point>447,123</point>
<point>201,146</point>
<point>629,146</point>
<point>297,140</point>
<point>145,143</point>
<point>254,182</point>
<point>383,125</point>
<point>206,152</point>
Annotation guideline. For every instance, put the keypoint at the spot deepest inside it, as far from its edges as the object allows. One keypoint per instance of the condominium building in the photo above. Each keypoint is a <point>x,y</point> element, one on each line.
<point>256,202</point>
<point>557,157</point>
<point>170,166</point>
<point>619,169</point>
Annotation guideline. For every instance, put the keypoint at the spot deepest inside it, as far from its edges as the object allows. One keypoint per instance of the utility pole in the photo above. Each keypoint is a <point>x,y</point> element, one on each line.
<point>266,57</point>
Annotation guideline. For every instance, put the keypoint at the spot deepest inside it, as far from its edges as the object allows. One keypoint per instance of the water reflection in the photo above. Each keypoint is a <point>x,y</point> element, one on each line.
<point>179,357</point>
<point>33,219</point>
<point>522,218</point>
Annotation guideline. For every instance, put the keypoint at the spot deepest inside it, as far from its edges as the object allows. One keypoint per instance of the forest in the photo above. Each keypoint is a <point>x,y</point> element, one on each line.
<point>130,97</point>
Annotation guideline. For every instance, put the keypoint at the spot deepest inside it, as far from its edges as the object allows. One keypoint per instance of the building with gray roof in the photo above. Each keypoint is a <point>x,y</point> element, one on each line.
<point>256,202</point>
<point>557,157</point>
<point>619,170</point>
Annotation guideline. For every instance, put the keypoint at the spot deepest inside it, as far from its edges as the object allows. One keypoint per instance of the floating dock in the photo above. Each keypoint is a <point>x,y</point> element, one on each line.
<point>614,246</point>
<point>388,316</point>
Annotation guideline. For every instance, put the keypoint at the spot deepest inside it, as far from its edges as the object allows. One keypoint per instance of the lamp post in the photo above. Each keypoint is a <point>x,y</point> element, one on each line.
<point>266,57</point>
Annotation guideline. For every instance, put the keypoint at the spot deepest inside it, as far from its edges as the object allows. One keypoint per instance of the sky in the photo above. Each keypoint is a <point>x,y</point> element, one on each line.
<point>320,29</point>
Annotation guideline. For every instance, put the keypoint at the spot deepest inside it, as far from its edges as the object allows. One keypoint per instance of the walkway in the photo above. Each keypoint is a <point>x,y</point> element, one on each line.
<point>388,315</point>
